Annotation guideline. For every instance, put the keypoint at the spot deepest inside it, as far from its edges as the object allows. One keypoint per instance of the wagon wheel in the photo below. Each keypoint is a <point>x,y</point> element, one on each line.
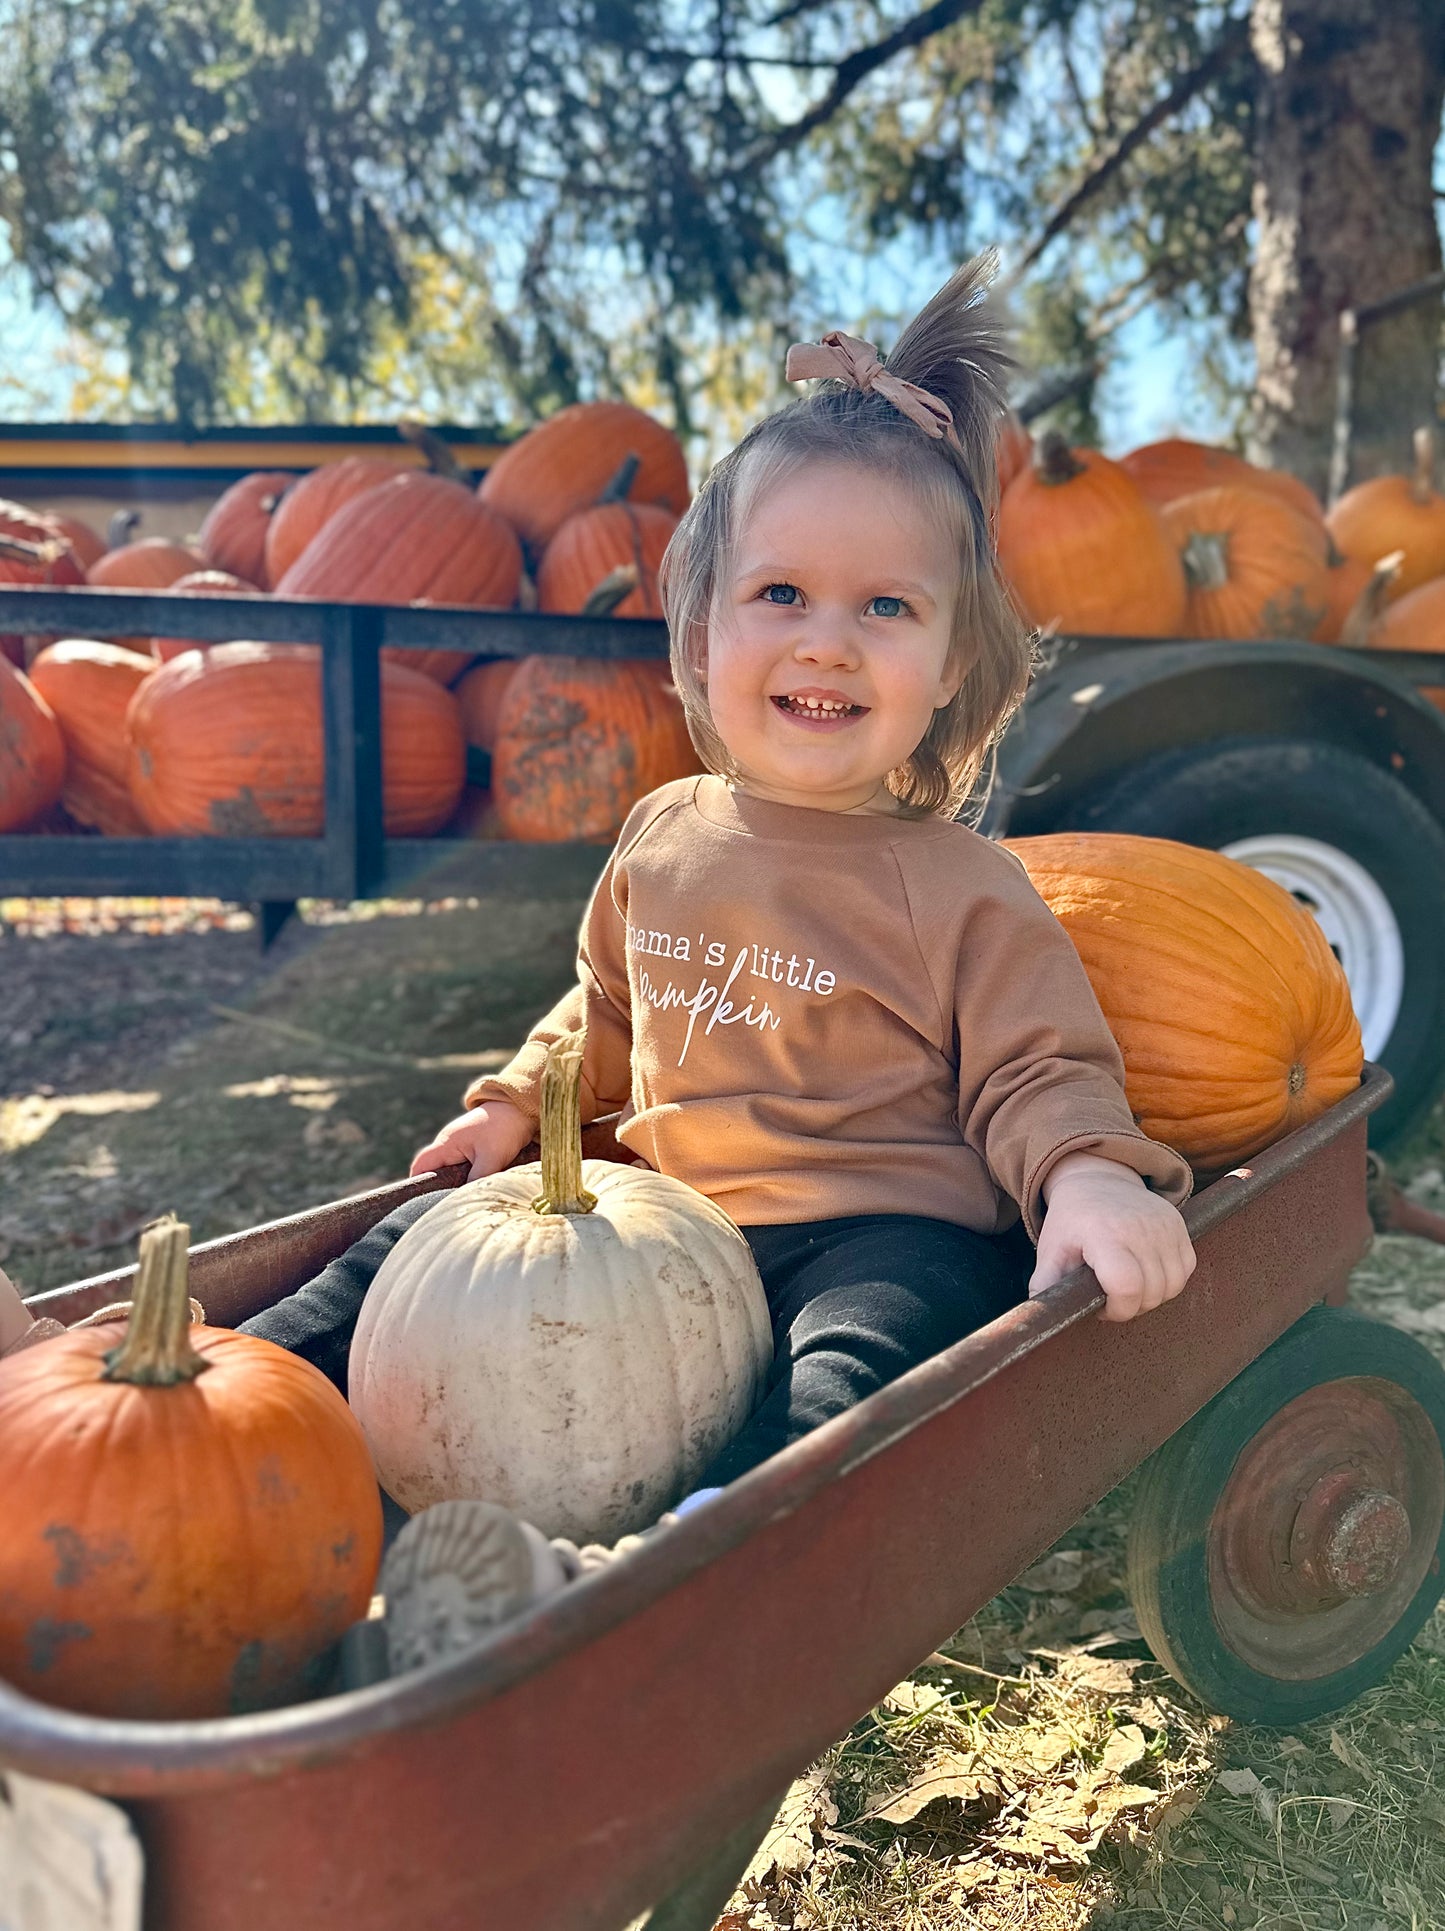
<point>1286,1544</point>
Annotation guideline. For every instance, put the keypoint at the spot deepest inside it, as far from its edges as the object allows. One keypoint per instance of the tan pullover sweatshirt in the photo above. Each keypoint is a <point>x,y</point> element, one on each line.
<point>811,1014</point>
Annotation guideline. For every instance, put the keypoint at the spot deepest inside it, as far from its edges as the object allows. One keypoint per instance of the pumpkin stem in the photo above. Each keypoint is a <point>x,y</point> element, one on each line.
<point>1365,612</point>
<point>1205,557</point>
<point>121,528</point>
<point>622,481</point>
<point>156,1351</point>
<point>560,1131</point>
<point>615,588</point>
<point>1054,461</point>
<point>41,555</point>
<point>1422,486</point>
<point>439,459</point>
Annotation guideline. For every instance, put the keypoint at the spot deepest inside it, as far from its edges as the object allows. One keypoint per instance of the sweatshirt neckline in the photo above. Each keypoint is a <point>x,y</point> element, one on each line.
<point>719,804</point>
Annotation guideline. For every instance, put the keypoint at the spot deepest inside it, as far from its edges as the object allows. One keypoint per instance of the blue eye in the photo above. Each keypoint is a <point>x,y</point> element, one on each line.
<point>783,593</point>
<point>888,606</point>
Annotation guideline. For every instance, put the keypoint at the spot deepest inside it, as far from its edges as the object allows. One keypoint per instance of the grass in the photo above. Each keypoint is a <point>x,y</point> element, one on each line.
<point>1051,1775</point>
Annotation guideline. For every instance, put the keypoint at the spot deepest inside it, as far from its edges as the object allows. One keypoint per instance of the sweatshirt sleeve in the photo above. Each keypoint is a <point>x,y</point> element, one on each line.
<point>600,1001</point>
<point>1039,1072</point>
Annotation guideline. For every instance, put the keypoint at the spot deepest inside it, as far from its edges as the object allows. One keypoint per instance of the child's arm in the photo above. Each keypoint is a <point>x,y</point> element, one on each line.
<point>502,1108</point>
<point>1101,1215</point>
<point>16,1319</point>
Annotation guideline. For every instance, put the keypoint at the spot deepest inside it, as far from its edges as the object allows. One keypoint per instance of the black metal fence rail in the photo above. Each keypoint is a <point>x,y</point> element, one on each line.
<point>353,858</point>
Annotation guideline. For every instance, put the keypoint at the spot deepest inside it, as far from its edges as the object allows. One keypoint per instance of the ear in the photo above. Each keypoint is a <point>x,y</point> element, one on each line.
<point>950,683</point>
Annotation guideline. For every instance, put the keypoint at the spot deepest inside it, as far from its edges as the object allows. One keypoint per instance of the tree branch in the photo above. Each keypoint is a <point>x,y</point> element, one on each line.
<point>1109,163</point>
<point>852,72</point>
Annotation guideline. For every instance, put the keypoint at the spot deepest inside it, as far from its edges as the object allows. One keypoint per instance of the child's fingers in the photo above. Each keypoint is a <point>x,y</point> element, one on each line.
<point>1125,1281</point>
<point>436,1155</point>
<point>1051,1263</point>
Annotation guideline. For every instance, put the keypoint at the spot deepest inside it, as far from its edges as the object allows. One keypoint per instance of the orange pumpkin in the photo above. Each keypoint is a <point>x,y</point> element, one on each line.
<point>1176,467</point>
<point>1415,623</point>
<point>88,544</point>
<point>191,1515</point>
<point>32,752</point>
<point>311,502</point>
<point>227,743</point>
<point>1013,448</point>
<point>233,536</point>
<point>89,686</point>
<point>1254,567</point>
<point>33,549</point>
<point>564,464</point>
<point>200,583</point>
<point>153,563</point>
<point>1396,513</point>
<point>595,542</point>
<point>1346,581</point>
<point>415,539</point>
<point>480,692</point>
<point>1231,1012</point>
<point>579,741</point>
<point>1082,549</point>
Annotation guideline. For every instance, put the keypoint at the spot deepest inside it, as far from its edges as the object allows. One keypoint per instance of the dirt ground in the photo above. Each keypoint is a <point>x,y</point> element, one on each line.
<point>1043,1771</point>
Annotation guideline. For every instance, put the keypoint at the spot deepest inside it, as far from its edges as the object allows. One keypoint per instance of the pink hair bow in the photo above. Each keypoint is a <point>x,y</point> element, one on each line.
<point>847,359</point>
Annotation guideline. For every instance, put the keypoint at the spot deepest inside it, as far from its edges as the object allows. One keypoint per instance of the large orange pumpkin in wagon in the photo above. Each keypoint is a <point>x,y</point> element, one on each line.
<point>32,751</point>
<point>191,1515</point>
<point>89,686</point>
<point>1231,1012</point>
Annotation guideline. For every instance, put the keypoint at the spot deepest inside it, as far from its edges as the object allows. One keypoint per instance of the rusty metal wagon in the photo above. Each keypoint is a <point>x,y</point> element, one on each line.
<point>620,1749</point>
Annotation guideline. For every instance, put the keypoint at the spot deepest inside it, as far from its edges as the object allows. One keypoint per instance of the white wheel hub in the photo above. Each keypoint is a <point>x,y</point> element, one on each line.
<point>1353,914</point>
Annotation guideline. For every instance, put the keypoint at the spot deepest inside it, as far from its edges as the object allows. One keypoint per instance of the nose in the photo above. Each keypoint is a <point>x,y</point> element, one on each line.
<point>828,640</point>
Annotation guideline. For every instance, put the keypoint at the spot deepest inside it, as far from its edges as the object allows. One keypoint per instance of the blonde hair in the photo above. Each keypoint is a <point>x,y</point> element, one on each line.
<point>954,348</point>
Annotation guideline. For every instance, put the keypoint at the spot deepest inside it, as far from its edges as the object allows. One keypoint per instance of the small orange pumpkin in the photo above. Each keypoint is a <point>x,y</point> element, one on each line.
<point>233,536</point>
<point>1396,513</point>
<point>563,465</point>
<point>579,741</point>
<point>191,1515</point>
<point>32,751</point>
<point>418,538</point>
<point>228,743</point>
<point>1013,448</point>
<point>1255,568</point>
<point>1081,548</point>
<point>614,534</point>
<point>1231,1012</point>
<point>1176,467</point>
<point>151,563</point>
<point>87,543</point>
<point>1415,623</point>
<point>480,691</point>
<point>200,583</point>
<point>89,686</point>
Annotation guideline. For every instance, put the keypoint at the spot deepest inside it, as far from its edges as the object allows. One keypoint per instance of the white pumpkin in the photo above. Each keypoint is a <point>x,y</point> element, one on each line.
<point>580,1364</point>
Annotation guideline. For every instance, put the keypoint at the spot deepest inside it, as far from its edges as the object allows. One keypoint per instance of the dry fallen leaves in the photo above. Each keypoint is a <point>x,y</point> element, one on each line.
<point>949,1778</point>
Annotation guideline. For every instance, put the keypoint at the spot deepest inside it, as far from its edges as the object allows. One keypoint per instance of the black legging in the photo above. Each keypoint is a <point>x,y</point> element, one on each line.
<point>855,1303</point>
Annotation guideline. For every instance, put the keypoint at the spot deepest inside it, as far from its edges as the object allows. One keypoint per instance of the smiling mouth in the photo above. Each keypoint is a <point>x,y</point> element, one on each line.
<point>815,710</point>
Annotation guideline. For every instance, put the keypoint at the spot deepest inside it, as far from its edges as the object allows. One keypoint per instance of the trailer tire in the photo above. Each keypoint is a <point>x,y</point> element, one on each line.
<point>1341,832</point>
<point>1286,1545</point>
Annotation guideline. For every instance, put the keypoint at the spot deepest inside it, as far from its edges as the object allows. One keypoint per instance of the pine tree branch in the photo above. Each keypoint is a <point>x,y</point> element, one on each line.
<point>1108,164</point>
<point>853,71</point>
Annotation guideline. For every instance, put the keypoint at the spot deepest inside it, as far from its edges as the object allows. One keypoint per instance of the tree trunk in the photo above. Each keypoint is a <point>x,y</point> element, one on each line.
<point>1349,102</point>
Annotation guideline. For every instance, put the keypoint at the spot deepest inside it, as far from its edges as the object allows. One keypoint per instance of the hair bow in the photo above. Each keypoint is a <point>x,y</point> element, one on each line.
<point>847,359</point>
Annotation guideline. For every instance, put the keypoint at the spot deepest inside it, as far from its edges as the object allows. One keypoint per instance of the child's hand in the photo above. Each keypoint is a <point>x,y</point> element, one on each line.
<point>1102,1215</point>
<point>487,1139</point>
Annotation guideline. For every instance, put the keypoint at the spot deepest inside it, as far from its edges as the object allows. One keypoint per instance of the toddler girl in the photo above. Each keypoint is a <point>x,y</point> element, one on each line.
<point>814,995</point>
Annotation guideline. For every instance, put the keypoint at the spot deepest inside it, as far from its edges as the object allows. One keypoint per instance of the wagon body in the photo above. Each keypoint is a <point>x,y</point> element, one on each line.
<point>570,1772</point>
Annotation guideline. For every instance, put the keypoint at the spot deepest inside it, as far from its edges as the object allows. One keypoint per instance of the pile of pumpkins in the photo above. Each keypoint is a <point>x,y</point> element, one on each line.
<point>167,736</point>
<point>1178,539</point>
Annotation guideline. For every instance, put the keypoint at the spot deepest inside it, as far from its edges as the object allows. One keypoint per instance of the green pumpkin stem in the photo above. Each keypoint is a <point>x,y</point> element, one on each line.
<point>561,1131</point>
<point>1422,483</point>
<point>156,1351</point>
<point>1205,557</point>
<point>622,480</point>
